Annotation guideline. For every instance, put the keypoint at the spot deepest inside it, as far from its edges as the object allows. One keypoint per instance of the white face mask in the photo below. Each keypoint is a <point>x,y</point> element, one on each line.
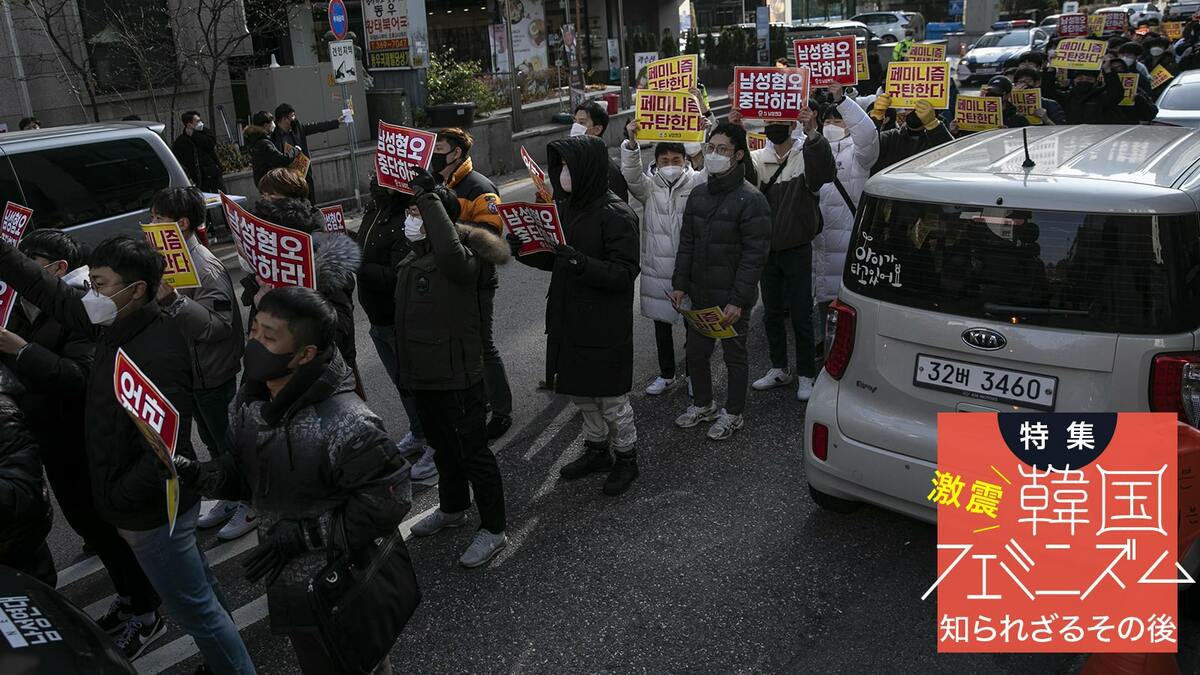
<point>1156,51</point>
<point>414,228</point>
<point>564,180</point>
<point>1128,60</point>
<point>670,173</point>
<point>716,163</point>
<point>833,133</point>
<point>577,129</point>
<point>692,149</point>
<point>101,309</point>
<point>199,126</point>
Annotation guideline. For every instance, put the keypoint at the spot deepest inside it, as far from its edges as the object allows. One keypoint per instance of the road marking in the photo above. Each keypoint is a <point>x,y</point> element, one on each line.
<point>515,539</point>
<point>560,420</point>
<point>559,463</point>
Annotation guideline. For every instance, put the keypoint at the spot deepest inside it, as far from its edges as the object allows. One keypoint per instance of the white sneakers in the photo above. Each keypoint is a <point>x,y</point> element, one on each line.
<point>725,426</point>
<point>424,468</point>
<point>804,388</point>
<point>244,520</point>
<point>220,512</point>
<point>775,377</point>
<point>660,384</point>
<point>695,415</point>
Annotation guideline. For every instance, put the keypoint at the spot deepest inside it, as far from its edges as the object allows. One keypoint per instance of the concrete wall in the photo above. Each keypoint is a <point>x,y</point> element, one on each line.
<point>309,90</point>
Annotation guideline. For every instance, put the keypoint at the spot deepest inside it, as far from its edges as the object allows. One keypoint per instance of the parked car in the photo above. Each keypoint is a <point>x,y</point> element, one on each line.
<point>1143,14</point>
<point>1179,102</point>
<point>998,50</point>
<point>975,284</point>
<point>889,26</point>
<point>1013,24</point>
<point>1050,24</point>
<point>1181,10</point>
<point>863,37</point>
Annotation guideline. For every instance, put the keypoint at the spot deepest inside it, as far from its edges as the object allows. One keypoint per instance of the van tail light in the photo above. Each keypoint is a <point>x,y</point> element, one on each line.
<point>1167,384</point>
<point>820,441</point>
<point>839,338</point>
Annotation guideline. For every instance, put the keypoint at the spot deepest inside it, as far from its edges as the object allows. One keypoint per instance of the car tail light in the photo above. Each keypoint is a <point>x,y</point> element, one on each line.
<point>839,338</point>
<point>820,441</point>
<point>1166,382</point>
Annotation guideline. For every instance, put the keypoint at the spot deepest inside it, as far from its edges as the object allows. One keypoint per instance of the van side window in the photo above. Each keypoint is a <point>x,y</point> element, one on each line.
<point>88,182</point>
<point>10,191</point>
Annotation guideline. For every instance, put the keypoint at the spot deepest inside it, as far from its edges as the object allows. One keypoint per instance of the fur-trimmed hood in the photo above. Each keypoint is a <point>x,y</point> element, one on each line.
<point>254,134</point>
<point>485,243</point>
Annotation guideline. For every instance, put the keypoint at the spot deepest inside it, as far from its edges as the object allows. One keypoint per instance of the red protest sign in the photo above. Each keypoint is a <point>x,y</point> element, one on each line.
<point>335,219</point>
<point>1072,25</point>
<point>148,407</point>
<point>770,93</point>
<point>279,256</point>
<point>398,152</point>
<point>16,219</point>
<point>538,175</point>
<point>1115,22</point>
<point>537,225</point>
<point>829,60</point>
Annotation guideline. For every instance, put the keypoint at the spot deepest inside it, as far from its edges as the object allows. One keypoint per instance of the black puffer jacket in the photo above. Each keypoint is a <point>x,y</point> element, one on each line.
<point>264,156</point>
<point>25,515</point>
<point>724,242</point>
<point>589,309</point>
<point>899,144</point>
<point>381,237</point>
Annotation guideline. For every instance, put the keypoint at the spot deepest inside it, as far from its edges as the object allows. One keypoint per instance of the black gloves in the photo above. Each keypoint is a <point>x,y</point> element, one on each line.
<point>285,540</point>
<point>514,243</point>
<point>422,182</point>
<point>187,469</point>
<point>574,259</point>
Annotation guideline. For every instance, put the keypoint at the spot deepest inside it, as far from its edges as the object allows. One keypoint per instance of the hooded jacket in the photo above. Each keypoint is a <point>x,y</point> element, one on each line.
<point>210,319</point>
<point>438,339</point>
<point>381,236</point>
<point>24,498</point>
<point>589,308</point>
<point>795,212</point>
<point>264,156</point>
<point>896,145</point>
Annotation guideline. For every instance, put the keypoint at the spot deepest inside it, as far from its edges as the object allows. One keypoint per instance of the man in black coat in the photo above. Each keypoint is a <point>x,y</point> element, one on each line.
<point>196,150</point>
<point>290,133</point>
<point>24,502</point>
<point>589,310</point>
<point>591,119</point>
<point>264,156</point>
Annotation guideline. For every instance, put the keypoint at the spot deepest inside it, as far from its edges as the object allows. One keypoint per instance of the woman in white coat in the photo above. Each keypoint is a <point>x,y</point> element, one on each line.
<point>663,193</point>
<point>855,143</point>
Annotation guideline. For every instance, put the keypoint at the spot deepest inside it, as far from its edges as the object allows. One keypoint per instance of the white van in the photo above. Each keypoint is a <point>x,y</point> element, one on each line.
<point>973,283</point>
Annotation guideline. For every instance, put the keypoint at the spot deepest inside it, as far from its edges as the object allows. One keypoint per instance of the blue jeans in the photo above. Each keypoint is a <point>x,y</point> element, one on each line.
<point>384,338</point>
<point>180,574</point>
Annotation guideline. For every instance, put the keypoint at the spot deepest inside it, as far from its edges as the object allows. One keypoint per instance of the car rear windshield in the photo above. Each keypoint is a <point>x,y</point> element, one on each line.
<point>1013,39</point>
<point>1093,272</point>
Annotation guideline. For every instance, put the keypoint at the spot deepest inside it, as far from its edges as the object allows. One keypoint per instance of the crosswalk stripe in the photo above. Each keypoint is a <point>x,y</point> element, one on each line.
<point>560,420</point>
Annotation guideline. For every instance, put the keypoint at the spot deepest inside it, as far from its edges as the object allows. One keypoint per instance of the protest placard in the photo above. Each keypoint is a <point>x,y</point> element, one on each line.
<point>1027,101</point>
<point>1173,30</point>
<point>669,116</point>
<point>335,218</point>
<point>1096,24</point>
<point>977,113</point>
<point>908,83</point>
<point>537,225</point>
<point>925,51</point>
<point>864,69</point>
<point>279,256</point>
<point>770,93</point>
<point>155,417</point>
<point>400,150</point>
<point>539,177</point>
<point>179,270</point>
<point>709,322</point>
<point>1159,76</point>
<point>756,141</point>
<point>12,227</point>
<point>829,60</point>
<point>1079,54</point>
<point>1115,22</point>
<point>1129,83</point>
<point>301,164</point>
<point>674,74</point>
<point>1072,25</point>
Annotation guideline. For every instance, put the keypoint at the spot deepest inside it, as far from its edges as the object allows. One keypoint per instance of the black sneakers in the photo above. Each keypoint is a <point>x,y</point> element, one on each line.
<point>498,426</point>
<point>138,636</point>
<point>595,459</point>
<point>624,471</point>
<point>113,620</point>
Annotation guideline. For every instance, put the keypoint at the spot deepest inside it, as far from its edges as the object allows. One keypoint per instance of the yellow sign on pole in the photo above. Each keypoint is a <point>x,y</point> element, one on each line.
<point>909,82</point>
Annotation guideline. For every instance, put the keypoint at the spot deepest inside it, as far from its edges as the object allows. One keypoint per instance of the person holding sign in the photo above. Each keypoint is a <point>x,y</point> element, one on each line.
<point>917,130</point>
<point>723,247</point>
<point>438,314</point>
<point>289,133</point>
<point>1050,112</point>
<point>1160,61</point>
<point>264,156</point>
<point>589,309</point>
<point>120,313</point>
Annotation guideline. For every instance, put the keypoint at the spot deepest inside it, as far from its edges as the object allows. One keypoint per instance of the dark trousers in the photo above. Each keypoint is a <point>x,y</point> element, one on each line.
<point>211,414</point>
<point>495,379</point>
<point>666,349</point>
<point>455,425</point>
<point>699,354</point>
<point>787,294</point>
<point>73,489</point>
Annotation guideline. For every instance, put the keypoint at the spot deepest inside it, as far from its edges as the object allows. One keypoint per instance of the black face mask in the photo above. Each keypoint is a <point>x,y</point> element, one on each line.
<point>778,133</point>
<point>262,365</point>
<point>439,162</point>
<point>913,122</point>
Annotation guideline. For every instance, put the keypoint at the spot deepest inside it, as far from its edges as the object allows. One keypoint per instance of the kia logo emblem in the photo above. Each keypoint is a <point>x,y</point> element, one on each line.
<point>984,339</point>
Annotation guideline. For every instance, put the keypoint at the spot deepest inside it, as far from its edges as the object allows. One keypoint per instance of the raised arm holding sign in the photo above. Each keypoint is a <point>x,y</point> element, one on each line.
<point>399,151</point>
<point>537,225</point>
<point>12,227</point>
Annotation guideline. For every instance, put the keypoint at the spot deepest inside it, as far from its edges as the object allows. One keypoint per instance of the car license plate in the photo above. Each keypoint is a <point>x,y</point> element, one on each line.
<point>986,383</point>
<point>985,71</point>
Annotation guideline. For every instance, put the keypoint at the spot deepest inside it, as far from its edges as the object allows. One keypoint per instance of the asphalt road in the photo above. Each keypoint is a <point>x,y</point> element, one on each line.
<point>716,560</point>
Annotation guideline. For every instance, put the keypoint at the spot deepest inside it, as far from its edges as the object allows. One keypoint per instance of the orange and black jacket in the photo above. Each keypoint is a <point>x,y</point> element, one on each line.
<point>477,197</point>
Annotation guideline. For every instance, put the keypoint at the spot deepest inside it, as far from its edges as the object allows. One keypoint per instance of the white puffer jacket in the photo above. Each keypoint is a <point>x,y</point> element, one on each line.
<point>855,155</point>
<point>661,221</point>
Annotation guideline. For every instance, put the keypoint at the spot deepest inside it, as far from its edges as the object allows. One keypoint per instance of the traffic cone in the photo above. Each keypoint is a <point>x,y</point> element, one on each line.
<point>1131,664</point>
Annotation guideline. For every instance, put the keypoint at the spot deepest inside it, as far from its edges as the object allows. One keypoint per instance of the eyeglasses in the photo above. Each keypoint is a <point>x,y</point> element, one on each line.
<point>726,150</point>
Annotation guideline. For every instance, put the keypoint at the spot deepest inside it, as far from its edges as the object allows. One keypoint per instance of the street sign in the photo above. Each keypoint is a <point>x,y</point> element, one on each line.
<point>341,59</point>
<point>339,20</point>
<point>1070,7</point>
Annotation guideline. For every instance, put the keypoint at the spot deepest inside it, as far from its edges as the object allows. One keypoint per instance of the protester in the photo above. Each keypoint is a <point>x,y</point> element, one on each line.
<point>1047,78</point>
<point>919,130</point>
<point>437,313</point>
<point>28,123</point>
<point>1131,54</point>
<point>24,500</point>
<point>1142,109</point>
<point>1158,54</point>
<point>283,183</point>
<point>313,459</point>
<point>196,150</point>
<point>1000,87</point>
<point>52,364</point>
<point>384,246</point>
<point>723,247</point>
<point>290,133</point>
<point>1091,100</point>
<point>1051,113</point>
<point>212,325</point>
<point>478,199</point>
<point>589,310</point>
<point>264,156</point>
<point>664,194</point>
<point>854,143</point>
<point>790,174</point>
<point>591,119</point>
<point>120,311</point>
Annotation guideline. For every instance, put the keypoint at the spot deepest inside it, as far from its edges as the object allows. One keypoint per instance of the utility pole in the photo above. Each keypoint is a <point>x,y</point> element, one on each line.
<point>512,71</point>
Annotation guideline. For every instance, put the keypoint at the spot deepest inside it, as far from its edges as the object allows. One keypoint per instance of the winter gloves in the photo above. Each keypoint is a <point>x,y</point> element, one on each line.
<point>285,540</point>
<point>927,115</point>
<point>880,108</point>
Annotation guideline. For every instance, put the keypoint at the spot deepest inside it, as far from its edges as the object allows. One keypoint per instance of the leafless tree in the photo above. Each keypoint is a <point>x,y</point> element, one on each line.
<point>58,22</point>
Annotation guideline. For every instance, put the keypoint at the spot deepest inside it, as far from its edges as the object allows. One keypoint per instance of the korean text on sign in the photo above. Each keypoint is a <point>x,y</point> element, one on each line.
<point>1072,25</point>
<point>400,150</point>
<point>1027,101</point>
<point>924,51</point>
<point>1057,532</point>
<point>829,60</point>
<point>155,417</point>
<point>1115,22</point>
<point>770,93</point>
<point>279,256</point>
<point>179,269</point>
<point>669,116</point>
<point>1095,24</point>
<point>1173,30</point>
<point>335,219</point>
<point>537,225</point>
<point>16,219</point>
<point>673,74</point>
<point>756,141</point>
<point>1129,84</point>
<point>908,83</point>
<point>538,176</point>
<point>977,113</point>
<point>709,322</point>
<point>1079,54</point>
<point>864,69</point>
<point>1159,76</point>
<point>386,26</point>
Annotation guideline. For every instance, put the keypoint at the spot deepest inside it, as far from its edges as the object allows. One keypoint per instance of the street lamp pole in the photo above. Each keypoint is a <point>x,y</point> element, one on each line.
<point>512,71</point>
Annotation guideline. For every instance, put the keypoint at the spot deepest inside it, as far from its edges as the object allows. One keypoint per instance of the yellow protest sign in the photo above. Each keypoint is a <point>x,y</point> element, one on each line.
<point>674,74</point>
<point>864,70</point>
<point>1061,77</point>
<point>709,322</point>
<point>300,164</point>
<point>924,51</point>
<point>669,116</point>
<point>1026,100</point>
<point>1079,54</point>
<point>1129,83</point>
<point>977,113</point>
<point>1173,30</point>
<point>1159,76</point>
<point>909,82</point>
<point>179,270</point>
<point>1096,24</point>
<point>756,141</point>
